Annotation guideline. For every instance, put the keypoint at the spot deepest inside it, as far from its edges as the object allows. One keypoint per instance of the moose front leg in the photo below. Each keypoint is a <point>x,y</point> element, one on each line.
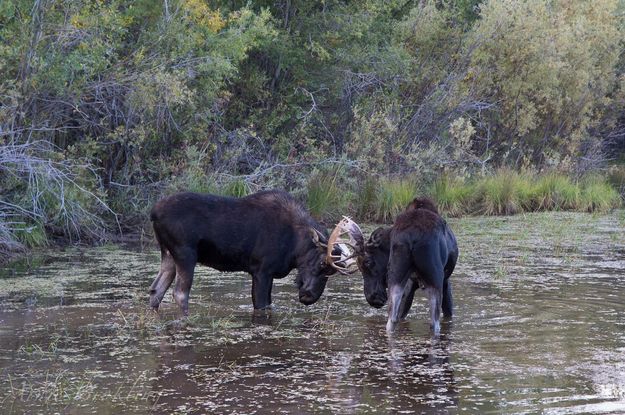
<point>261,290</point>
<point>396,292</point>
<point>399,270</point>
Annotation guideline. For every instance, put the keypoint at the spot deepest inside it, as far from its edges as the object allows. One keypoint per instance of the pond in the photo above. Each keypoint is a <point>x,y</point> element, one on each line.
<point>539,327</point>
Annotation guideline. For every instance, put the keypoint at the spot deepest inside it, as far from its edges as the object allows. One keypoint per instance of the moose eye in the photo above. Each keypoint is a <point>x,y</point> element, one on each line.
<point>368,263</point>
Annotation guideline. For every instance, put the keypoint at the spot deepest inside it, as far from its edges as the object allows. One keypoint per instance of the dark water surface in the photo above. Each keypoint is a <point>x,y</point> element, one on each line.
<point>539,327</point>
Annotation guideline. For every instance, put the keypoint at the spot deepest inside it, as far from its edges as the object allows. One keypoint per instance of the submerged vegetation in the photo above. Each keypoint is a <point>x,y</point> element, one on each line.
<point>489,106</point>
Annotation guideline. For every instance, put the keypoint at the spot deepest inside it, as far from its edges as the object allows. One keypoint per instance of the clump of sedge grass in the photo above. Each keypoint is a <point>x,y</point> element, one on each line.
<point>236,188</point>
<point>32,235</point>
<point>365,198</point>
<point>508,192</point>
<point>452,195</point>
<point>504,193</point>
<point>325,198</point>
<point>616,178</point>
<point>554,191</point>
<point>597,195</point>
<point>393,197</point>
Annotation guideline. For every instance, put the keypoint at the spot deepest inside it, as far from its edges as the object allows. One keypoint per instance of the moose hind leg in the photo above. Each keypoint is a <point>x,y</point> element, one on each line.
<point>407,298</point>
<point>185,265</point>
<point>435,297</point>
<point>398,277</point>
<point>163,280</point>
<point>448,303</point>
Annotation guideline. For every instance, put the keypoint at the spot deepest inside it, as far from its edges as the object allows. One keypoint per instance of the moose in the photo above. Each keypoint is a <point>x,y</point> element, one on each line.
<point>419,250</point>
<point>266,234</point>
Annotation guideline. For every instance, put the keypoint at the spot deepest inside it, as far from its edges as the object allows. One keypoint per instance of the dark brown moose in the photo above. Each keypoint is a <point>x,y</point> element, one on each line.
<point>266,234</point>
<point>419,250</point>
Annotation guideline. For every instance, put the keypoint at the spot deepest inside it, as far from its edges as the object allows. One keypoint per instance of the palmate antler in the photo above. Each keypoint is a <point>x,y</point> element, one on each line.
<point>350,246</point>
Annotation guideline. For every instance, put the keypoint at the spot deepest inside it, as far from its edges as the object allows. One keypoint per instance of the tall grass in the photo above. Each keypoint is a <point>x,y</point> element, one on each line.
<point>616,177</point>
<point>236,188</point>
<point>365,198</point>
<point>504,192</point>
<point>507,192</point>
<point>597,195</point>
<point>371,199</point>
<point>555,191</point>
<point>392,198</point>
<point>45,194</point>
<point>326,199</point>
<point>452,194</point>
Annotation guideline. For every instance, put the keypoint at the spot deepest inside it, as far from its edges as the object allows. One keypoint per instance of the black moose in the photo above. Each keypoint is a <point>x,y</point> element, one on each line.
<point>419,250</point>
<point>266,234</point>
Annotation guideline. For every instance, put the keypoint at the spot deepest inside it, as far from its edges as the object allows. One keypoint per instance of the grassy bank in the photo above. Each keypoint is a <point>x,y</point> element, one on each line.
<point>502,193</point>
<point>508,192</point>
<point>68,208</point>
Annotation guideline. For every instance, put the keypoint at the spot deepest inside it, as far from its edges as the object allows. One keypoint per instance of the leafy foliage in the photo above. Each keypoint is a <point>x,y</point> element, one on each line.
<point>233,96</point>
<point>552,88</point>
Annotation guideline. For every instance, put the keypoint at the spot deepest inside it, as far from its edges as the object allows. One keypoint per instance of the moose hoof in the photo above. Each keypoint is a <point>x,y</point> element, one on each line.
<point>154,303</point>
<point>436,328</point>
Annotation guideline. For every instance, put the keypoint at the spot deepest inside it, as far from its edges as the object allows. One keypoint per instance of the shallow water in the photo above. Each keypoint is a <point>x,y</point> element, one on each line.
<point>539,327</point>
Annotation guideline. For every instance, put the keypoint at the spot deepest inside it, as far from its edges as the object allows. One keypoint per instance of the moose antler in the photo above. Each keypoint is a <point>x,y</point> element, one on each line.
<point>350,246</point>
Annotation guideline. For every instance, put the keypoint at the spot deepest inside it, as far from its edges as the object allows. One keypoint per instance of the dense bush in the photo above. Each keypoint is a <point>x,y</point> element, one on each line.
<point>352,106</point>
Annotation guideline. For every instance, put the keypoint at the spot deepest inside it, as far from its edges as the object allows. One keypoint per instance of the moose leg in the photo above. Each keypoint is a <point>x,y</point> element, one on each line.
<point>163,280</point>
<point>185,265</point>
<point>435,296</point>
<point>448,303</point>
<point>434,277</point>
<point>398,276</point>
<point>431,272</point>
<point>396,292</point>
<point>261,290</point>
<point>407,298</point>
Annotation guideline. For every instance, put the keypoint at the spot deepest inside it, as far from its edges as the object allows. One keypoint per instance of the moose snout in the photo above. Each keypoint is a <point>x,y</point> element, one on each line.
<point>307,298</point>
<point>377,300</point>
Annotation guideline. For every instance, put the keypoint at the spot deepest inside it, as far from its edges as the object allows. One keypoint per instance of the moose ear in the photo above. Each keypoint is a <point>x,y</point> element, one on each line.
<point>375,239</point>
<point>318,239</point>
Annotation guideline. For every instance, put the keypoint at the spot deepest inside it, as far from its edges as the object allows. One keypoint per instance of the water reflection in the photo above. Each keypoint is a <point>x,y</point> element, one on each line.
<point>367,372</point>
